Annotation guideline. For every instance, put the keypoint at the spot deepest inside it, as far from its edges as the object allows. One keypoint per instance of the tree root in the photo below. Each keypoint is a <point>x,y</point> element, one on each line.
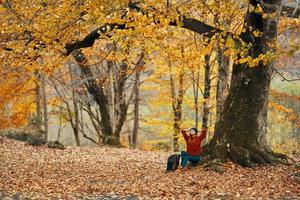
<point>241,156</point>
<point>253,156</point>
<point>112,141</point>
<point>279,155</point>
<point>258,159</point>
<point>214,165</point>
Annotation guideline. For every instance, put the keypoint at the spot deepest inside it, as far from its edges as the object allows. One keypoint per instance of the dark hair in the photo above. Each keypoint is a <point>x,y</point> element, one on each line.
<point>195,129</point>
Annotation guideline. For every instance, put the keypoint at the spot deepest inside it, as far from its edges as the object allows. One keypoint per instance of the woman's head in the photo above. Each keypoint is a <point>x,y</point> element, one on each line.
<point>193,131</point>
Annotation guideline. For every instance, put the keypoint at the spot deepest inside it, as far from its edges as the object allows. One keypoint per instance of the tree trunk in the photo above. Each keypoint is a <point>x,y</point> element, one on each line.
<point>76,109</point>
<point>97,92</point>
<point>38,100</point>
<point>206,96</point>
<point>45,107</point>
<point>121,105</point>
<point>113,116</point>
<point>222,84</point>
<point>241,133</point>
<point>136,109</point>
<point>196,96</point>
<point>177,107</point>
<point>223,81</point>
<point>94,118</point>
<point>111,93</point>
<point>59,124</point>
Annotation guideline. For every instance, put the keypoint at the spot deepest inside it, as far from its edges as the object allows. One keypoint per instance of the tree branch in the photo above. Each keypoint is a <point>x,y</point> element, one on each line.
<point>187,23</point>
<point>283,77</point>
<point>89,40</point>
<point>287,10</point>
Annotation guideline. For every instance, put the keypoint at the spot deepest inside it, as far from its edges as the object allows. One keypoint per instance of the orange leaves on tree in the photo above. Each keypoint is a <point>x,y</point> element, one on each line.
<point>291,115</point>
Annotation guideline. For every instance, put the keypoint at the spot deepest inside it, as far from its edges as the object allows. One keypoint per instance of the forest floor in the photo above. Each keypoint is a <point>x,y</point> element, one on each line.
<point>28,172</point>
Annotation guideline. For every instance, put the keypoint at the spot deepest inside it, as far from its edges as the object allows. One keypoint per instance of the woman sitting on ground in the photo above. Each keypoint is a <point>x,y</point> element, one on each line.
<point>193,140</point>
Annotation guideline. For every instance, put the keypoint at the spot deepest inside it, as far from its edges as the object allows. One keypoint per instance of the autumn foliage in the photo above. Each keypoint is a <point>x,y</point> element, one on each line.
<point>34,43</point>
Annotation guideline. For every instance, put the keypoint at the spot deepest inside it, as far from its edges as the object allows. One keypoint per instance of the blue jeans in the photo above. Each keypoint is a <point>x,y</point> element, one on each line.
<point>185,157</point>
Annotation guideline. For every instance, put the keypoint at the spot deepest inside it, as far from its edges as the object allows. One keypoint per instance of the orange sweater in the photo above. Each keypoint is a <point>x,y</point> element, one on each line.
<point>193,144</point>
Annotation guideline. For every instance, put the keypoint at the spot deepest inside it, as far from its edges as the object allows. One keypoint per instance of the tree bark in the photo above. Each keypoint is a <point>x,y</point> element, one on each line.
<point>223,81</point>
<point>177,101</point>
<point>196,84</point>
<point>45,107</point>
<point>222,84</point>
<point>206,96</point>
<point>38,119</point>
<point>111,98</point>
<point>136,109</point>
<point>76,109</point>
<point>241,134</point>
<point>94,118</point>
<point>59,125</point>
<point>98,93</point>
<point>121,106</point>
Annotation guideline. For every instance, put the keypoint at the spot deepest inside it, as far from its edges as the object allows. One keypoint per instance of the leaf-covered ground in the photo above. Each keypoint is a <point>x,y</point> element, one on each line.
<point>117,173</point>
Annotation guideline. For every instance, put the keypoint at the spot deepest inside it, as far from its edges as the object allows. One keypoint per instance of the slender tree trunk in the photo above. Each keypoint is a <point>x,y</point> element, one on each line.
<point>177,106</point>
<point>241,133</point>
<point>136,108</point>
<point>196,96</point>
<point>94,118</point>
<point>111,93</point>
<point>45,107</point>
<point>136,91</point>
<point>38,102</point>
<point>82,125</point>
<point>59,125</point>
<point>95,122</point>
<point>76,109</point>
<point>206,96</point>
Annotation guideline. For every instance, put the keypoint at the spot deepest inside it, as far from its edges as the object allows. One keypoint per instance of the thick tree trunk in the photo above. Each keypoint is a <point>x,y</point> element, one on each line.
<point>121,105</point>
<point>241,134</point>
<point>222,84</point>
<point>223,81</point>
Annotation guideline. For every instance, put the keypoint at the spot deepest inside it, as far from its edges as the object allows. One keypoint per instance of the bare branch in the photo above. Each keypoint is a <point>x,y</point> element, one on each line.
<point>287,10</point>
<point>283,78</point>
<point>291,12</point>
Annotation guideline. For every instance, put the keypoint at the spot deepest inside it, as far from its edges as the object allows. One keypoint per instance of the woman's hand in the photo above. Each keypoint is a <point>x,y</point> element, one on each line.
<point>186,131</point>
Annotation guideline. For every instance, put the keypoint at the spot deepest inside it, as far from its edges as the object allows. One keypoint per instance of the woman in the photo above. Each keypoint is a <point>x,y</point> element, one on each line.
<point>193,140</point>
